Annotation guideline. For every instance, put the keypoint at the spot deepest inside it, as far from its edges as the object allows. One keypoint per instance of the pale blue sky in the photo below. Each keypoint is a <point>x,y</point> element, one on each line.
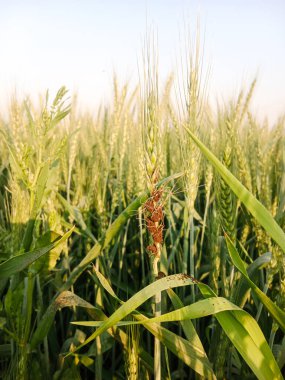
<point>45,44</point>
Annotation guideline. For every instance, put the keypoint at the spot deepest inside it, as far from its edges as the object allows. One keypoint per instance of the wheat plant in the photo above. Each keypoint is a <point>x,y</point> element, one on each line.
<point>157,197</point>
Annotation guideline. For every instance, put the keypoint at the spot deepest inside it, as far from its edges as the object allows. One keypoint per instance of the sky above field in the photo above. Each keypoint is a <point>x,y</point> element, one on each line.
<point>81,43</point>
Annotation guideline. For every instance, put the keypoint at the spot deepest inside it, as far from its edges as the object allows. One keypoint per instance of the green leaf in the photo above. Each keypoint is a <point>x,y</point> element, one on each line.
<point>187,325</point>
<point>39,190</point>
<point>246,336</point>
<point>139,298</point>
<point>122,338</point>
<point>36,200</point>
<point>76,214</point>
<point>104,282</point>
<point>112,232</point>
<point>190,351</point>
<point>273,309</point>
<point>199,309</point>
<point>18,263</point>
<point>241,328</point>
<point>185,350</point>
<point>260,213</point>
<point>46,262</point>
<point>65,299</point>
<point>243,288</point>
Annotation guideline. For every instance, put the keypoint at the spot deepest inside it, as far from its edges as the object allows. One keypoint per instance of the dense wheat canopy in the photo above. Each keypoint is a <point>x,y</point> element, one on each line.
<point>61,168</point>
<point>143,239</point>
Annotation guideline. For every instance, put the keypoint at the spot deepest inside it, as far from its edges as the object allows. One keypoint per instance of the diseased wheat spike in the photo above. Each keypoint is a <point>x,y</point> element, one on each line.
<point>153,207</point>
<point>152,153</point>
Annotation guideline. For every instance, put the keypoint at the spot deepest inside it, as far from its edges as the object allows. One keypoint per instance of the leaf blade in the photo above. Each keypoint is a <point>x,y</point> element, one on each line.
<point>260,213</point>
<point>272,308</point>
<point>18,263</point>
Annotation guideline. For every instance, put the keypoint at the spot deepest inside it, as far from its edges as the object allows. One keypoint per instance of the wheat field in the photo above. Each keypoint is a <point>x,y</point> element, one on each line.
<point>159,207</point>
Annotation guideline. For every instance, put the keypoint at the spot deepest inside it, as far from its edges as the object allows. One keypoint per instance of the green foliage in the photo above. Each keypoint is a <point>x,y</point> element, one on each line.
<point>73,239</point>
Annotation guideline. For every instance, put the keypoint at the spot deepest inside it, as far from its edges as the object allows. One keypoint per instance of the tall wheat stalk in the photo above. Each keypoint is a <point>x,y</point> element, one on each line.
<point>152,162</point>
<point>86,171</point>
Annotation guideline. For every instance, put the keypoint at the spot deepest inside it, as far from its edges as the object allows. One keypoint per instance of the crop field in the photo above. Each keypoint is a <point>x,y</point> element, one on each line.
<point>146,242</point>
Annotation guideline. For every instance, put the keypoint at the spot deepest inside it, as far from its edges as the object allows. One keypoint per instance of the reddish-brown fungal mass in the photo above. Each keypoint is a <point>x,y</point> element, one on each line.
<point>149,205</point>
<point>154,219</point>
<point>157,214</point>
<point>156,195</point>
<point>152,248</point>
<point>158,237</point>
<point>150,225</point>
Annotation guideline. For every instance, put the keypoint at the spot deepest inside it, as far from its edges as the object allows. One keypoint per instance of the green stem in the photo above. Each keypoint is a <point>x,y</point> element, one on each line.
<point>95,251</point>
<point>198,264</point>
<point>192,253</point>
<point>22,368</point>
<point>260,306</point>
<point>186,242</point>
<point>141,246</point>
<point>28,306</point>
<point>157,312</point>
<point>273,332</point>
<point>99,359</point>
